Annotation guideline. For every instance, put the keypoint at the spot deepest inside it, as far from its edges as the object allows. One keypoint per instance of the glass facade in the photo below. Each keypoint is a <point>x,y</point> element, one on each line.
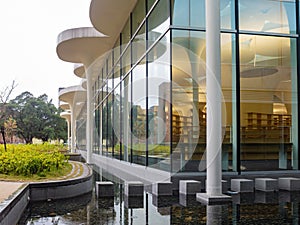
<point>150,95</point>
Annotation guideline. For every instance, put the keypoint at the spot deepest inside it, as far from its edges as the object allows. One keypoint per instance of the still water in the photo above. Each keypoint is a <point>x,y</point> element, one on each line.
<point>252,208</point>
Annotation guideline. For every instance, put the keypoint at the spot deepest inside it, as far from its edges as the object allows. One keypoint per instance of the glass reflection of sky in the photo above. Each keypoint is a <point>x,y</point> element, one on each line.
<point>267,16</point>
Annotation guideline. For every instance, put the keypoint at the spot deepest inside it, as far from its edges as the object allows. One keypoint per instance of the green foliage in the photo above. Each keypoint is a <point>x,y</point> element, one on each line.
<point>37,118</point>
<point>28,160</point>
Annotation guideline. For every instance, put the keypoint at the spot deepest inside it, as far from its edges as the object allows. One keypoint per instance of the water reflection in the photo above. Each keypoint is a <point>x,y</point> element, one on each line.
<point>246,208</point>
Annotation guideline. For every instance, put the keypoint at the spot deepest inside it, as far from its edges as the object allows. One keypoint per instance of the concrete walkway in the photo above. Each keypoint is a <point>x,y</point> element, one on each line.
<point>7,189</point>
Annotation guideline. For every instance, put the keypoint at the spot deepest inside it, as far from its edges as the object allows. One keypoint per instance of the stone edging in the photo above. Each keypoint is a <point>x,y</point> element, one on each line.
<point>40,191</point>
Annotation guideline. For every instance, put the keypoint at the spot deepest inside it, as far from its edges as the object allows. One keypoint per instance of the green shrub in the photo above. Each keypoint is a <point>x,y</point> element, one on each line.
<point>28,160</point>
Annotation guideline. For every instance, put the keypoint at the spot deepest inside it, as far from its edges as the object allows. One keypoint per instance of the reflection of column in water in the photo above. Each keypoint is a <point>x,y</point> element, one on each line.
<point>213,214</point>
<point>147,209</point>
<point>88,215</point>
<point>121,202</point>
<point>295,212</point>
<point>235,213</point>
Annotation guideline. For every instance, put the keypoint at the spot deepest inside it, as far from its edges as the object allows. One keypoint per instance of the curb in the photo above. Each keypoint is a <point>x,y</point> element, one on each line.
<point>12,209</point>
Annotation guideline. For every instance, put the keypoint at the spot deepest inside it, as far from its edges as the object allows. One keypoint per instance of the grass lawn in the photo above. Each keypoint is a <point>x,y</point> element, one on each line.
<point>52,175</point>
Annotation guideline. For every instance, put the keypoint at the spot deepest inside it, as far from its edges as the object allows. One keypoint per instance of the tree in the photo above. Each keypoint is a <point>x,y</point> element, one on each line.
<point>10,126</point>
<point>4,97</point>
<point>37,118</point>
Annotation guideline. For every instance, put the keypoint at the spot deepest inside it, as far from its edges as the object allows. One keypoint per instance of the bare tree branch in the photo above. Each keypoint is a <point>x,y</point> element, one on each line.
<point>5,94</point>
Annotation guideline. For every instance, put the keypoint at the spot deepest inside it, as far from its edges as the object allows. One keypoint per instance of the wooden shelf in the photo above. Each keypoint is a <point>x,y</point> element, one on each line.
<point>266,128</point>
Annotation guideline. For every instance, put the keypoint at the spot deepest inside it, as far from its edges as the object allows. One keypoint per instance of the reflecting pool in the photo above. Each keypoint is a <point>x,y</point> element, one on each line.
<point>252,208</point>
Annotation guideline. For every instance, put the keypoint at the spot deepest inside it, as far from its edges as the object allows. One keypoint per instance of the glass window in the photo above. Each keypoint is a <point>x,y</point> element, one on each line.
<point>126,34</point>
<point>138,15</point>
<point>116,52</point>
<point>150,4</point>
<point>138,114</point>
<point>188,13</point>
<point>110,79</point>
<point>117,123</point>
<point>228,69</point>
<point>158,21</point>
<point>116,63</point>
<point>97,131</point>
<point>275,16</point>
<point>227,13</point>
<point>268,102</point>
<point>126,119</point>
<point>109,63</point>
<point>139,45</point>
<point>188,100</point>
<point>110,123</point>
<point>104,128</point>
<point>191,13</point>
<point>126,62</point>
<point>159,101</point>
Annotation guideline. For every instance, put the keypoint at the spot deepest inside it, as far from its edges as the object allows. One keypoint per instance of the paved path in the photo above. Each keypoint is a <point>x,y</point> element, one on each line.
<point>8,188</point>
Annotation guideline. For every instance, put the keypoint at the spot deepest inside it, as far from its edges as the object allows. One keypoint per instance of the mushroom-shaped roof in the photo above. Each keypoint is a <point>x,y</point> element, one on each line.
<point>79,70</point>
<point>64,106</point>
<point>81,45</point>
<point>118,10</point>
<point>66,115</point>
<point>70,93</point>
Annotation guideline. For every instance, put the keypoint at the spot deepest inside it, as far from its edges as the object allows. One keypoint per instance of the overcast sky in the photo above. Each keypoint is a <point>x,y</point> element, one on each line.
<point>28,40</point>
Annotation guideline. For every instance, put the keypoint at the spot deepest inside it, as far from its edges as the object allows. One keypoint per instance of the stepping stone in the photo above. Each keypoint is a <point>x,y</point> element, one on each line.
<point>134,188</point>
<point>266,184</point>
<point>104,189</point>
<point>162,189</point>
<point>189,187</point>
<point>242,185</point>
<point>289,183</point>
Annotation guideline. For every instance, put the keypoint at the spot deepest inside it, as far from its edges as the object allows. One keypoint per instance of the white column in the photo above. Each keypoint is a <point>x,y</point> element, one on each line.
<point>69,135</point>
<point>89,119</point>
<point>213,214</point>
<point>213,99</point>
<point>73,129</point>
<point>126,125</point>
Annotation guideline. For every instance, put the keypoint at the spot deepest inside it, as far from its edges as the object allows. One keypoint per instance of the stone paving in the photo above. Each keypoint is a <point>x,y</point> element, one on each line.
<point>8,188</point>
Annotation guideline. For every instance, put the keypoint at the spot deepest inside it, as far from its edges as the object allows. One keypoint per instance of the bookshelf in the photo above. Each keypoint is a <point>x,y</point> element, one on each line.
<point>266,128</point>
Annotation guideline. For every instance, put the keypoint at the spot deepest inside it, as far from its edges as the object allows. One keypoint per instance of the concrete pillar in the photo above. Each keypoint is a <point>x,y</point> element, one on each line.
<point>214,110</point>
<point>69,135</point>
<point>104,189</point>
<point>213,98</point>
<point>73,129</point>
<point>89,120</point>
<point>134,189</point>
<point>126,125</point>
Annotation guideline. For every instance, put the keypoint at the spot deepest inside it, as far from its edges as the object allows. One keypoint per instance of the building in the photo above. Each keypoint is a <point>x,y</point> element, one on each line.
<point>143,62</point>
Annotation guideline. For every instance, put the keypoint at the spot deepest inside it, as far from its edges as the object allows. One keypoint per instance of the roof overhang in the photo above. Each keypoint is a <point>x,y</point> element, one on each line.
<point>81,45</point>
<point>66,115</point>
<point>109,16</point>
<point>64,106</point>
<point>79,70</point>
<point>72,93</point>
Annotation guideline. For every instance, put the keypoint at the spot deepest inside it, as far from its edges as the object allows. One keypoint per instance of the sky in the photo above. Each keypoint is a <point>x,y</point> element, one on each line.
<point>28,40</point>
